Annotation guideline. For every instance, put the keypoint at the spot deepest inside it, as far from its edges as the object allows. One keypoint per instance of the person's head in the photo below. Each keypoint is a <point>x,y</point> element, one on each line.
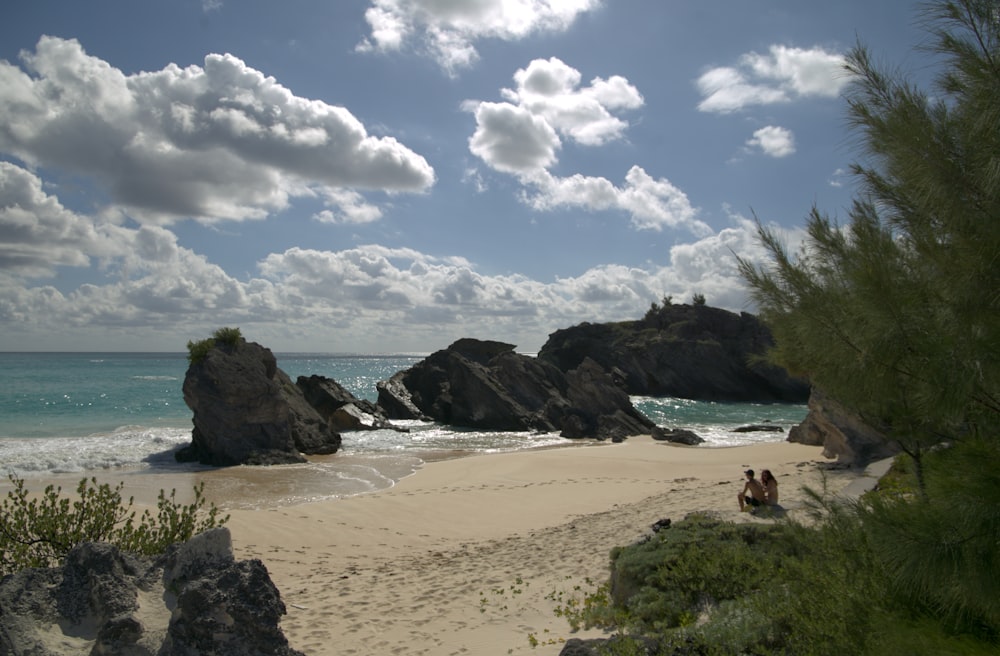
<point>766,476</point>
<point>749,473</point>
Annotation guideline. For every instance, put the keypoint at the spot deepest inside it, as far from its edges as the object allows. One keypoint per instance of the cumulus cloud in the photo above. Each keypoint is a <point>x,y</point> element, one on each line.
<point>551,90</point>
<point>512,139</point>
<point>348,207</point>
<point>523,134</point>
<point>447,30</point>
<point>38,234</point>
<point>523,137</point>
<point>782,75</point>
<point>773,141</point>
<point>356,299</point>
<point>212,142</point>
<point>652,204</point>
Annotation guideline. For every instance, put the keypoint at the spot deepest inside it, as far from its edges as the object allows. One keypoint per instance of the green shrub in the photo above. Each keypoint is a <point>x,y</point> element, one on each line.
<point>667,581</point>
<point>230,336</point>
<point>39,532</point>
<point>197,351</point>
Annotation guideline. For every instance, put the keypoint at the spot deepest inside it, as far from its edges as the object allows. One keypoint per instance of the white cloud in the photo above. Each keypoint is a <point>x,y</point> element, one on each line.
<point>512,139</point>
<point>550,89</point>
<point>369,298</point>
<point>348,207</point>
<point>773,141</point>
<point>38,234</point>
<point>523,136</point>
<point>446,30</point>
<point>222,141</point>
<point>652,204</point>
<point>782,75</point>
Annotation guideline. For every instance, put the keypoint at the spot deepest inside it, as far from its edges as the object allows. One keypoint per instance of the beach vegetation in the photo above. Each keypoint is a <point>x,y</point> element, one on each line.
<point>653,313</point>
<point>39,530</point>
<point>896,315</point>
<point>197,351</point>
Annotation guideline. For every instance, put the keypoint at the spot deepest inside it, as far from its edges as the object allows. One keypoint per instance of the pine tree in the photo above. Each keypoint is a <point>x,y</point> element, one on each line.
<point>898,313</point>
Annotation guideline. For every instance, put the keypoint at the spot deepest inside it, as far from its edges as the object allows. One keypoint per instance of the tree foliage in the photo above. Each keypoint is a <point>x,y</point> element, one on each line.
<point>38,531</point>
<point>898,313</point>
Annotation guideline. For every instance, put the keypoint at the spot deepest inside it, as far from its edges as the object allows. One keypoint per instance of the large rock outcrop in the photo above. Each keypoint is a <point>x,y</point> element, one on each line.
<point>486,385</point>
<point>247,411</point>
<point>195,599</point>
<point>686,351</point>
<point>841,432</point>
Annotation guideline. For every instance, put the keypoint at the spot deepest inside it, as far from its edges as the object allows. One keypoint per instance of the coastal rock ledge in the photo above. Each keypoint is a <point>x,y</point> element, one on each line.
<point>486,385</point>
<point>194,599</point>
<point>686,351</point>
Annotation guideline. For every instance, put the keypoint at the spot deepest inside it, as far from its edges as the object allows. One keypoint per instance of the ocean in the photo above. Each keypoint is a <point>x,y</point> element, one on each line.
<point>84,413</point>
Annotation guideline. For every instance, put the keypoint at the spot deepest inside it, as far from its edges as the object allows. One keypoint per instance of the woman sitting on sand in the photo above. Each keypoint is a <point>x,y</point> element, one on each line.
<point>770,487</point>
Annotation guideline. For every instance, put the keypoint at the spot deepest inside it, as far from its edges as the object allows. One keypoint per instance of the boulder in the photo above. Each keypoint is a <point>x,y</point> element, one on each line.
<point>759,428</point>
<point>195,599</point>
<point>341,409</point>
<point>311,433</point>
<point>686,351</point>
<point>486,385</point>
<point>841,432</point>
<point>679,436</point>
<point>247,411</point>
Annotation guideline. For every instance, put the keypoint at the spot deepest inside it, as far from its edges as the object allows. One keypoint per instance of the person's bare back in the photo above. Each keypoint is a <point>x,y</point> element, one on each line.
<point>756,496</point>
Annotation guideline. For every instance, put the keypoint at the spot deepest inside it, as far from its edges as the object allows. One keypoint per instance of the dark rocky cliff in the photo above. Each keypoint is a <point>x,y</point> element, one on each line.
<point>687,351</point>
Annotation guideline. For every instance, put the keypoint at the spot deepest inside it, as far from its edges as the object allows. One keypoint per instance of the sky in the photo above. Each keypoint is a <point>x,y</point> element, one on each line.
<point>388,176</point>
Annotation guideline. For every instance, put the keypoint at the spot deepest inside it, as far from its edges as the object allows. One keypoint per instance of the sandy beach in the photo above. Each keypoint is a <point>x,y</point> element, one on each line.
<point>472,555</point>
<point>467,556</point>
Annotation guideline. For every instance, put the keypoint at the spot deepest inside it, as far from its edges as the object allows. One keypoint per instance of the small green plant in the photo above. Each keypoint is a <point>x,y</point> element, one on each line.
<point>229,336</point>
<point>500,595</point>
<point>584,606</point>
<point>39,532</point>
<point>197,351</point>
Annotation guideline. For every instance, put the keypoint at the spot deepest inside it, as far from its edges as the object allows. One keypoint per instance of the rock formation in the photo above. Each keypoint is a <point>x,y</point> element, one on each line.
<point>341,409</point>
<point>195,599</point>
<point>680,436</point>
<point>247,411</point>
<point>841,432</point>
<point>686,351</point>
<point>486,385</point>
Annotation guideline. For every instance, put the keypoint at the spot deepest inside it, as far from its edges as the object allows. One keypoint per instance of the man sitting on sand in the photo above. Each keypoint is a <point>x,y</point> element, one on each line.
<point>756,497</point>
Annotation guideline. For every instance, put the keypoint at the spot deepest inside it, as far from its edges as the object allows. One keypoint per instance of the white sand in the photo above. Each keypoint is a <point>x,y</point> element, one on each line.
<point>464,556</point>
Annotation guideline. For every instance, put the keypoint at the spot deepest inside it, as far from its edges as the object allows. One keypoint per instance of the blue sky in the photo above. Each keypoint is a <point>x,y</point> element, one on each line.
<point>387,176</point>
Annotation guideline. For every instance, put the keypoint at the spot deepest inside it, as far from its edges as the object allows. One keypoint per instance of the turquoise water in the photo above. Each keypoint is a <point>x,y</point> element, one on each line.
<point>81,412</point>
